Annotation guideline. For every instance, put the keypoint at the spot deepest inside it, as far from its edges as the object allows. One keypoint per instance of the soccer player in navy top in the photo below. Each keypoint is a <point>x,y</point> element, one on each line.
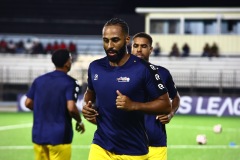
<point>52,98</point>
<point>155,126</point>
<point>123,88</point>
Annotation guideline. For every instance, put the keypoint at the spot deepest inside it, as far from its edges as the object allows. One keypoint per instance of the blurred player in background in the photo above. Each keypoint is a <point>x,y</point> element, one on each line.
<point>155,127</point>
<point>52,98</point>
<point>121,85</point>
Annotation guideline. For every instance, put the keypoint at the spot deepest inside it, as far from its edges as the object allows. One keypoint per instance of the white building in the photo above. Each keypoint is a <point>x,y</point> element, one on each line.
<point>195,26</point>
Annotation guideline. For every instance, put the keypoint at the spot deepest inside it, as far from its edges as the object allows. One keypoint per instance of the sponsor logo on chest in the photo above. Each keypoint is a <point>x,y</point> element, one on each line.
<point>123,79</point>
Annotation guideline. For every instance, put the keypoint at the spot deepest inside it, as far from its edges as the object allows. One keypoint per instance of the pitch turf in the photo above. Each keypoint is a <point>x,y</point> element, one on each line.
<point>15,138</point>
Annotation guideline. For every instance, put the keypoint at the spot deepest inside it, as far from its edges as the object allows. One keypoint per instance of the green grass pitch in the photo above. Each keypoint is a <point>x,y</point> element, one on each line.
<point>15,138</point>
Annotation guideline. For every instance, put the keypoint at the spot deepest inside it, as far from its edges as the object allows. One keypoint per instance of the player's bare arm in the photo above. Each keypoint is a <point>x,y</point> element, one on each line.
<point>160,105</point>
<point>175,105</point>
<point>29,103</point>
<point>88,111</point>
<point>73,111</point>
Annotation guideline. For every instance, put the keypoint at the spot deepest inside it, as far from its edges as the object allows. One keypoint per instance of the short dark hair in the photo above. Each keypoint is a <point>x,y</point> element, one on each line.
<point>60,57</point>
<point>144,35</point>
<point>120,22</point>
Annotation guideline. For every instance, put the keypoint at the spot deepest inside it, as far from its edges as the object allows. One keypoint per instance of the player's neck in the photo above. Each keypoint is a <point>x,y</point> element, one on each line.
<point>61,69</point>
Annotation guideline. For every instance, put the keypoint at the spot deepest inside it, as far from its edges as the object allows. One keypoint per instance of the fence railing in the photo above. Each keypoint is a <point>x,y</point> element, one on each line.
<point>191,73</point>
<point>183,78</point>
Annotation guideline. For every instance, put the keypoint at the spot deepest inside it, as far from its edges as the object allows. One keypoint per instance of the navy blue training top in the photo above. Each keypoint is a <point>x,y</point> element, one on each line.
<point>156,131</point>
<point>119,131</point>
<point>52,122</point>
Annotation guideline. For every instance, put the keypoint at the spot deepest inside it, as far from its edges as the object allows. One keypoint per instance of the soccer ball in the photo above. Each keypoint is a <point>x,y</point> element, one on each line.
<point>217,128</point>
<point>201,139</point>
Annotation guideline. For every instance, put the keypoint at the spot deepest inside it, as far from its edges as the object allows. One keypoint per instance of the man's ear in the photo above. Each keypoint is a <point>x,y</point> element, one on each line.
<point>128,40</point>
<point>151,49</point>
<point>67,65</point>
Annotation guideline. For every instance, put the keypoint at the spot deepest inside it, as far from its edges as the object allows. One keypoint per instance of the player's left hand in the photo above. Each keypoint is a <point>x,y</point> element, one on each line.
<point>164,119</point>
<point>80,127</point>
<point>123,102</point>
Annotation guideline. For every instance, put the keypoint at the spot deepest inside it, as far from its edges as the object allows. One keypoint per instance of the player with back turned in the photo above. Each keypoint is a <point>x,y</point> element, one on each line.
<point>156,131</point>
<point>52,98</point>
<point>123,88</point>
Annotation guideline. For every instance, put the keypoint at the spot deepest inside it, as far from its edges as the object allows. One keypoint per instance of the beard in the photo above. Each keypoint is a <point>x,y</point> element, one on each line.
<point>118,55</point>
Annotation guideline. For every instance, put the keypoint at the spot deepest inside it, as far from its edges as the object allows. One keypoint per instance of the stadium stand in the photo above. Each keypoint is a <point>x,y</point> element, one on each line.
<point>85,44</point>
<point>202,72</point>
<point>215,75</point>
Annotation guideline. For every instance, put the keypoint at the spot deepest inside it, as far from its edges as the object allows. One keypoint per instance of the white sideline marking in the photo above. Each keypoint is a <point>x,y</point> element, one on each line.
<point>26,125</point>
<point>203,147</point>
<point>31,147</point>
<point>203,128</point>
<point>170,147</point>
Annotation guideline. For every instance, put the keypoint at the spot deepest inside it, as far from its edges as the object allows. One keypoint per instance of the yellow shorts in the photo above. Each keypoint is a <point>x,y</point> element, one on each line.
<point>157,153</point>
<point>50,152</point>
<point>98,153</point>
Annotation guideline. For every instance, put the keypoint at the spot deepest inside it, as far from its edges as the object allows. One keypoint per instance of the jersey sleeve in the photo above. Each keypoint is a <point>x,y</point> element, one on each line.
<point>30,93</point>
<point>73,90</point>
<point>154,84</point>
<point>89,80</point>
<point>172,90</point>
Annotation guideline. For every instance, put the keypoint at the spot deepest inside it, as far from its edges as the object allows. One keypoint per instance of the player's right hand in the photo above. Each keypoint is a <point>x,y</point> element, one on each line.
<point>80,127</point>
<point>89,113</point>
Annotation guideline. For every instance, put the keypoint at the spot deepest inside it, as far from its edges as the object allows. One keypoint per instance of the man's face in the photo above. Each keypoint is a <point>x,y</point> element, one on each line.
<point>141,48</point>
<point>114,43</point>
